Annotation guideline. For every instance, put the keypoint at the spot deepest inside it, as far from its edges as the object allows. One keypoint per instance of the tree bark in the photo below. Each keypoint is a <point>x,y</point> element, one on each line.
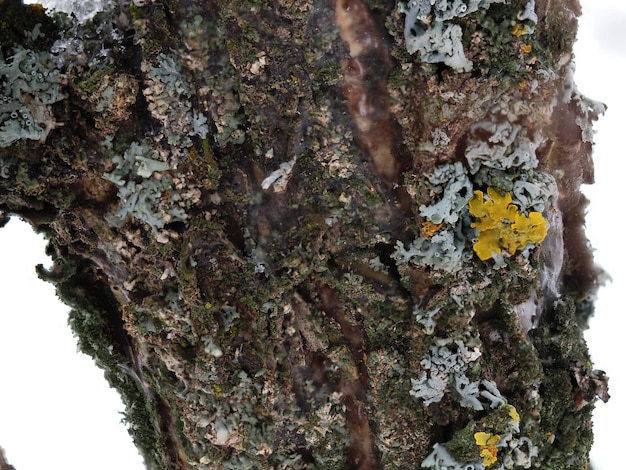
<point>266,217</point>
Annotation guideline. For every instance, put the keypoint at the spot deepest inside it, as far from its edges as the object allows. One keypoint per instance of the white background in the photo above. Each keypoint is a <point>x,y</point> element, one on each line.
<point>57,411</point>
<point>600,72</point>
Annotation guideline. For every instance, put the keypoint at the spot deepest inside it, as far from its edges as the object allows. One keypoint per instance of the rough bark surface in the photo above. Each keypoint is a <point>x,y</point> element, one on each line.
<point>259,214</point>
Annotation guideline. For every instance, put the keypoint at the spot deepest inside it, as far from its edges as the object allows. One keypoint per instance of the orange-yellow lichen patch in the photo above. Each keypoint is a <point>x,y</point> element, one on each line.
<point>513,414</point>
<point>430,228</point>
<point>501,225</point>
<point>520,29</point>
<point>487,443</point>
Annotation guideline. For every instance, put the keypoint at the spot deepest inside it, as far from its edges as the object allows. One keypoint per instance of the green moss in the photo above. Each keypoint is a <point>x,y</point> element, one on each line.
<point>557,35</point>
<point>90,81</point>
<point>387,323</point>
<point>155,20</point>
<point>462,446</point>
<point>495,54</point>
<point>561,345</point>
<point>207,168</point>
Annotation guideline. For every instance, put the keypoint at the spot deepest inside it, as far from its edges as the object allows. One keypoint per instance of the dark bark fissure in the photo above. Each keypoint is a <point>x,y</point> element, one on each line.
<point>362,452</point>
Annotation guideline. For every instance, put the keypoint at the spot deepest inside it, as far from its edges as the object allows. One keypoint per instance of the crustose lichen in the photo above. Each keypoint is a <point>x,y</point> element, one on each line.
<point>501,225</point>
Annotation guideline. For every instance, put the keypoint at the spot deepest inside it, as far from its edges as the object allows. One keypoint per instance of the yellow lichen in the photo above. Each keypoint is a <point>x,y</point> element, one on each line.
<point>501,225</point>
<point>487,443</point>
<point>430,228</point>
<point>513,414</point>
<point>520,29</point>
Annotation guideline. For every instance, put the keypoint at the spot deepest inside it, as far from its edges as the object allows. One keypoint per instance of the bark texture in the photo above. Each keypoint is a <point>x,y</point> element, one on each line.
<point>258,212</point>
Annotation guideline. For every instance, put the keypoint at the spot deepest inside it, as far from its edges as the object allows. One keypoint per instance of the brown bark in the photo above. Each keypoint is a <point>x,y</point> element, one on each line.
<point>230,190</point>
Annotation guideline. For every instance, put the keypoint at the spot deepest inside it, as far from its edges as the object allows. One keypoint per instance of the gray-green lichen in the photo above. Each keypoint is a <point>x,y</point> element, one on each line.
<point>30,85</point>
<point>428,29</point>
<point>142,178</point>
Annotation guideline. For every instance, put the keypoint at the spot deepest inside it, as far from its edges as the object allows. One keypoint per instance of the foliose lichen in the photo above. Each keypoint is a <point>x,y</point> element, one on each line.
<point>500,224</point>
<point>445,363</point>
<point>499,144</point>
<point>495,442</point>
<point>429,30</point>
<point>168,94</point>
<point>426,319</point>
<point>445,229</point>
<point>29,86</point>
<point>142,178</point>
<point>452,180</point>
<point>445,250</point>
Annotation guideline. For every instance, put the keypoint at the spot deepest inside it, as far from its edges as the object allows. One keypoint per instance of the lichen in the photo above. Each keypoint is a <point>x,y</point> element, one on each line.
<point>452,180</point>
<point>445,230</point>
<point>428,29</point>
<point>29,86</point>
<point>109,95</point>
<point>282,322</point>
<point>507,146</point>
<point>445,363</point>
<point>142,178</point>
<point>496,439</point>
<point>501,225</point>
<point>487,443</point>
<point>444,250</point>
